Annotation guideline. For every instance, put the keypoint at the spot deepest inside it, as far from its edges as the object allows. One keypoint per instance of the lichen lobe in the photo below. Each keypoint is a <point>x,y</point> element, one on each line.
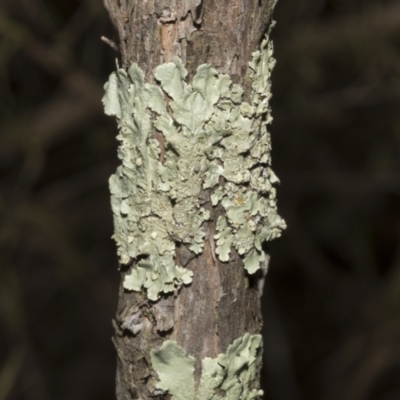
<point>210,133</point>
<point>229,376</point>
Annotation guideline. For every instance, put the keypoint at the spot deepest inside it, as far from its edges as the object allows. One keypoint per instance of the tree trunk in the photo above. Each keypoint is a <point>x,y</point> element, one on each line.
<point>193,200</point>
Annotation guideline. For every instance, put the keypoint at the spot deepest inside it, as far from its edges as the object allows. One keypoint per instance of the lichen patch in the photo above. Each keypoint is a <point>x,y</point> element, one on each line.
<point>211,136</point>
<point>229,376</point>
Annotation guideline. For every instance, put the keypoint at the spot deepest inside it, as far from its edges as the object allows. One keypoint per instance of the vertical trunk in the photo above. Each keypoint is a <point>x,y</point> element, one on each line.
<point>193,201</point>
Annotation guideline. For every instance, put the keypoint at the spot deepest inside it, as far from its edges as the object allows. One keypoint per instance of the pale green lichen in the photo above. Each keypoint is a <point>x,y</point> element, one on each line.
<point>174,369</point>
<point>230,376</point>
<point>209,132</point>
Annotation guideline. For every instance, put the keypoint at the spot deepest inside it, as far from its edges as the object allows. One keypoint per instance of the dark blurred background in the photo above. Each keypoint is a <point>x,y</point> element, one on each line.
<point>332,326</point>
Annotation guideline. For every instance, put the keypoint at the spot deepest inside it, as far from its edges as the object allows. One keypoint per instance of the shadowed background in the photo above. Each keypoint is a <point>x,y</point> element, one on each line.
<point>331,306</point>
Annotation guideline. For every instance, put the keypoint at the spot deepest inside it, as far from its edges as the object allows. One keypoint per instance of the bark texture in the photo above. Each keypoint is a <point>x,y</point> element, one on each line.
<point>223,302</point>
<point>222,33</point>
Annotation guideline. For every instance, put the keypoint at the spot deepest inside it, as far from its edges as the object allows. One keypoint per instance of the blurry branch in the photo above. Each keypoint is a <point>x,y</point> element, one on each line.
<point>78,24</point>
<point>378,359</point>
<point>55,58</point>
<point>50,228</point>
<point>68,110</point>
<point>11,307</point>
<point>320,271</point>
<point>64,191</point>
<point>278,352</point>
<point>9,373</point>
<point>49,57</point>
<point>45,251</point>
<point>39,15</point>
<point>341,182</point>
<point>13,317</point>
<point>364,358</point>
<point>328,36</point>
<point>389,295</point>
<point>60,116</point>
<point>371,351</point>
<point>354,96</point>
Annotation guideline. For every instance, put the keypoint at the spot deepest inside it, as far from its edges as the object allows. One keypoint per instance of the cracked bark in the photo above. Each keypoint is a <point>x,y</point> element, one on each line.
<point>223,302</point>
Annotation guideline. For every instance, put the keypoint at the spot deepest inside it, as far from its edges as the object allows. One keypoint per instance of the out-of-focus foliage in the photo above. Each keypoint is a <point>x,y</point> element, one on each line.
<point>332,326</point>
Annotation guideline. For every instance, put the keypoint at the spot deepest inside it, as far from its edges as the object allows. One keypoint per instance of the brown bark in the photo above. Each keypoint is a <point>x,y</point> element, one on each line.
<point>222,303</point>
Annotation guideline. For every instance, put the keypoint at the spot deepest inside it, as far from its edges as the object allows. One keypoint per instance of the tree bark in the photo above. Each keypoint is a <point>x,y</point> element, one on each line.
<point>223,301</point>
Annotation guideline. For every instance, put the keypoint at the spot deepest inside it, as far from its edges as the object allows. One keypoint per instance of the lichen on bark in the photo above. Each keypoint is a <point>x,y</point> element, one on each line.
<point>229,376</point>
<point>215,141</point>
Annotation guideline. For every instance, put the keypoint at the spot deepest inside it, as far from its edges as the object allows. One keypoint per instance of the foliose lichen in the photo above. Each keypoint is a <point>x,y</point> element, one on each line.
<point>230,376</point>
<point>211,136</point>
